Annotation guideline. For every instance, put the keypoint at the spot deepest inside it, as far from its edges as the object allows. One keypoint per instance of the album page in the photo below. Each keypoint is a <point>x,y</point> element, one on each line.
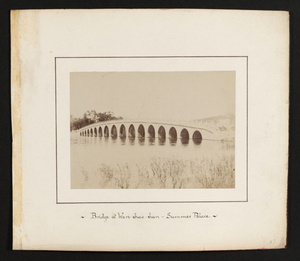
<point>149,130</point>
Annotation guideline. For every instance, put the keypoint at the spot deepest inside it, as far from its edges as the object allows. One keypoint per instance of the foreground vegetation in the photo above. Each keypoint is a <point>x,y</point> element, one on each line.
<point>165,173</point>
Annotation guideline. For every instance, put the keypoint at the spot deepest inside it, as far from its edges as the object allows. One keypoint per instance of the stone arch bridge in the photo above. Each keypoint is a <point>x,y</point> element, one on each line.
<point>142,129</point>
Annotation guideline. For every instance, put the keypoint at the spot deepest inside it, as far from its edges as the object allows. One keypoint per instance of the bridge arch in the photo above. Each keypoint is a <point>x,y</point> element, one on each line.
<point>161,132</point>
<point>114,133</point>
<point>151,131</point>
<point>173,133</point>
<point>185,136</point>
<point>122,132</point>
<point>131,131</point>
<point>197,137</point>
<point>141,131</point>
<point>106,132</point>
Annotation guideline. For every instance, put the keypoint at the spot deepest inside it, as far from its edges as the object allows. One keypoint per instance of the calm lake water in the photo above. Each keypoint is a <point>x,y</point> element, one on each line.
<point>101,162</point>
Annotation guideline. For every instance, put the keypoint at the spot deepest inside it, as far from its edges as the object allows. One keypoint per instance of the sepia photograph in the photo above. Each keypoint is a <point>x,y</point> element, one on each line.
<point>152,130</point>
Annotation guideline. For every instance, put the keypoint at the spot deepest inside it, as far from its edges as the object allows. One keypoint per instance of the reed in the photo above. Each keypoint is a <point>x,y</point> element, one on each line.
<point>168,173</point>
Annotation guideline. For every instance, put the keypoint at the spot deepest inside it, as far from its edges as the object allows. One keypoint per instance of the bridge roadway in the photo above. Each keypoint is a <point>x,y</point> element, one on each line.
<point>142,129</point>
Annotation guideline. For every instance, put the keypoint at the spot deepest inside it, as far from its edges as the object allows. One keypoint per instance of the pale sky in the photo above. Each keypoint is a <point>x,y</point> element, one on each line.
<point>154,95</point>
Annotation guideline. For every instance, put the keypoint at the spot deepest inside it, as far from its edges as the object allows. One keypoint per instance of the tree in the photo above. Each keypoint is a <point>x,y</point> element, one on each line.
<point>91,117</point>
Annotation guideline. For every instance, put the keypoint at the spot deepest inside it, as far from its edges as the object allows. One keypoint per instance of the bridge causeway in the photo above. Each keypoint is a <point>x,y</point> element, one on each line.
<point>143,129</point>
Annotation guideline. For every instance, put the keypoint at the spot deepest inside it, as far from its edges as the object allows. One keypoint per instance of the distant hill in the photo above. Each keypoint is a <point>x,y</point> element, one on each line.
<point>218,123</point>
<point>219,117</point>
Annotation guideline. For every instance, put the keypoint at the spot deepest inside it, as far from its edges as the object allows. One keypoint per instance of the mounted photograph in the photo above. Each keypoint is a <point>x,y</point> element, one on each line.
<point>152,130</point>
<point>170,126</point>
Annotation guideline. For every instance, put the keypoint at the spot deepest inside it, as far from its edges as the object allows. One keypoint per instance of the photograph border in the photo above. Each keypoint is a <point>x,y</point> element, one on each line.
<point>144,57</point>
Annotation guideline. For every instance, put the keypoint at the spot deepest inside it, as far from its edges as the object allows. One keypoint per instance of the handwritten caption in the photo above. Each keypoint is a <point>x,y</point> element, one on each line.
<point>169,215</point>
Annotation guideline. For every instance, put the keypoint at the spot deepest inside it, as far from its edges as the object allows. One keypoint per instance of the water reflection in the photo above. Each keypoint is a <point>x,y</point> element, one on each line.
<point>184,141</point>
<point>197,141</point>
<point>161,140</point>
<point>123,140</point>
<point>173,141</point>
<point>131,140</point>
<point>151,140</point>
<point>141,141</point>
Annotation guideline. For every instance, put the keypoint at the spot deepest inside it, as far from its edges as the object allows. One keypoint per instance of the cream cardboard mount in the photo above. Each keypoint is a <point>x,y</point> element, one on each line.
<point>193,181</point>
